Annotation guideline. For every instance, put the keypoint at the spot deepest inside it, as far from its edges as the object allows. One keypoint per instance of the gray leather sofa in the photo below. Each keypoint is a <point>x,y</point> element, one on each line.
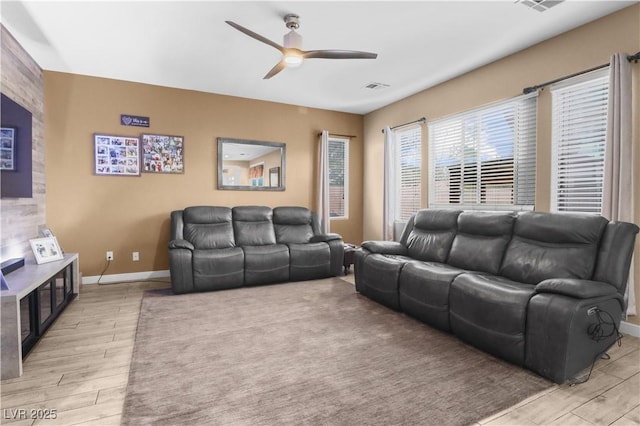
<point>215,248</point>
<point>541,290</point>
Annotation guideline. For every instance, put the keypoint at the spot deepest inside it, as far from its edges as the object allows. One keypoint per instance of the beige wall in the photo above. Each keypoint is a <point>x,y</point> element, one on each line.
<point>583,48</point>
<point>92,214</point>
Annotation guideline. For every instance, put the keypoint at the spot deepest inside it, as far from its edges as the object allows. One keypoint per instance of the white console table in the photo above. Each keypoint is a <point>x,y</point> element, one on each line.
<point>41,292</point>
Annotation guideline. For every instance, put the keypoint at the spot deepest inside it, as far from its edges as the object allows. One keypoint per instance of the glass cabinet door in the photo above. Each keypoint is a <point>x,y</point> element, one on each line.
<point>46,303</point>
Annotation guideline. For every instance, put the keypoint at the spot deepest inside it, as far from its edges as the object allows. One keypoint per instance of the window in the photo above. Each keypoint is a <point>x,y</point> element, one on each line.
<point>407,172</point>
<point>338,178</point>
<point>579,127</point>
<point>485,157</point>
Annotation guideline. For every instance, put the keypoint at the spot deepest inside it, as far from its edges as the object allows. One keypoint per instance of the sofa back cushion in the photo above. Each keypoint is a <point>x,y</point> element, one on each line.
<point>548,245</point>
<point>481,240</point>
<point>432,234</point>
<point>208,227</point>
<point>292,225</point>
<point>253,226</point>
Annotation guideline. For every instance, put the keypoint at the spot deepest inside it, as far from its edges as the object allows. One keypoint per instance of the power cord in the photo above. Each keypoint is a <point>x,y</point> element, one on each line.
<point>103,271</point>
<point>598,333</point>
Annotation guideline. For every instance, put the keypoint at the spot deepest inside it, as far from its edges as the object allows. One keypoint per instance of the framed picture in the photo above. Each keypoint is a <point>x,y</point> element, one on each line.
<point>46,232</point>
<point>116,155</point>
<point>256,174</point>
<point>7,148</point>
<point>162,153</point>
<point>46,250</point>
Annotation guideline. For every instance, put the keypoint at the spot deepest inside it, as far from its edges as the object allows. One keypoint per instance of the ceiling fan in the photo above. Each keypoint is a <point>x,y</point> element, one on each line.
<point>292,54</point>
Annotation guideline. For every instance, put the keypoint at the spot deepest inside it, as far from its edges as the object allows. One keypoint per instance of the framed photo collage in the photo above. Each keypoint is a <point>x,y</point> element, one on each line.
<point>130,156</point>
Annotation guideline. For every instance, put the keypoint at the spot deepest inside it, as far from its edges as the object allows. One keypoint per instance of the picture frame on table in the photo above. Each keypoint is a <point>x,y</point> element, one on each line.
<point>46,233</point>
<point>116,155</point>
<point>46,250</point>
<point>162,153</point>
<point>8,148</point>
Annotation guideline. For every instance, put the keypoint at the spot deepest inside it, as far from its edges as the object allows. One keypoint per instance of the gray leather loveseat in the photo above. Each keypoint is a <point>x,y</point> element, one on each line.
<point>215,248</point>
<point>541,290</point>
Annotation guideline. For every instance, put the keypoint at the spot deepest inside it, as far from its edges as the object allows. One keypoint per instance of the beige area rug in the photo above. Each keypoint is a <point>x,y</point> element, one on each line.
<point>312,352</point>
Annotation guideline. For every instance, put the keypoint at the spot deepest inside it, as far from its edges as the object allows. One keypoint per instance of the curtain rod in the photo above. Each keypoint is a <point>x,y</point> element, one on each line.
<point>419,120</point>
<point>532,89</point>
<point>336,134</point>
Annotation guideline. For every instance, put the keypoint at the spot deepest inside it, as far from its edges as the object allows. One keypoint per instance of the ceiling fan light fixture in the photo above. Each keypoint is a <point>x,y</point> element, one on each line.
<point>293,59</point>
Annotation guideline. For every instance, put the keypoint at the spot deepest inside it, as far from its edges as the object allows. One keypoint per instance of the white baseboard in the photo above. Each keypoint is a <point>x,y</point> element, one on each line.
<point>118,278</point>
<point>630,329</point>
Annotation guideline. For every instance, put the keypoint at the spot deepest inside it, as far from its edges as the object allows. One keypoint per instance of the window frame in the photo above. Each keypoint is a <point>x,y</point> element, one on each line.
<point>398,171</point>
<point>594,81</point>
<point>345,184</point>
<point>523,159</point>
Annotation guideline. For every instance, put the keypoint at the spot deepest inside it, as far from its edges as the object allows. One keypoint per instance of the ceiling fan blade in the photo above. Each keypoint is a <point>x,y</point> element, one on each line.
<point>339,54</point>
<point>275,70</point>
<point>255,35</point>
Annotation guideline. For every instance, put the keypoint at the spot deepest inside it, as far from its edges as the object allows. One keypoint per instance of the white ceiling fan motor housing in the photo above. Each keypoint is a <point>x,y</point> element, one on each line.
<point>292,40</point>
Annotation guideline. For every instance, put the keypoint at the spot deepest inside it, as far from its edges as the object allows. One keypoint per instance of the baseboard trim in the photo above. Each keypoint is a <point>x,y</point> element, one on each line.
<point>133,276</point>
<point>630,329</point>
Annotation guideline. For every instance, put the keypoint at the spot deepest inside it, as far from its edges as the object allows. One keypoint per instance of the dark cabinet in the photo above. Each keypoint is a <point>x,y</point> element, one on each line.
<point>35,296</point>
<point>40,308</point>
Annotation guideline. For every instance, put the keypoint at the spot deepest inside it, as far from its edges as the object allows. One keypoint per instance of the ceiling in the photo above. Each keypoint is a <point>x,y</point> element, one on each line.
<point>188,44</point>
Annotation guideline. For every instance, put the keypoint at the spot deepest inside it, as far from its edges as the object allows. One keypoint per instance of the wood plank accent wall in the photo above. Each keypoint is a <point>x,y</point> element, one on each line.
<point>23,82</point>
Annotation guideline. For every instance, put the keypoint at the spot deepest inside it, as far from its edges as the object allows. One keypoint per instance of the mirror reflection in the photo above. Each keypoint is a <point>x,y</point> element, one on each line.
<point>250,165</point>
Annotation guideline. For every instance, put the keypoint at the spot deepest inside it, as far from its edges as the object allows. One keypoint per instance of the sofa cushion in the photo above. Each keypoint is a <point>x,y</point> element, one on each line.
<point>481,240</point>
<point>292,225</point>
<point>424,291</point>
<point>490,312</point>
<point>309,261</point>
<point>208,227</point>
<point>546,245</point>
<point>266,264</point>
<point>432,234</point>
<point>218,269</point>
<point>253,226</point>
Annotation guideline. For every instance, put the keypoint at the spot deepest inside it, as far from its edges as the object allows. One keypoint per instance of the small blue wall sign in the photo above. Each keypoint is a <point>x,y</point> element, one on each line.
<point>134,120</point>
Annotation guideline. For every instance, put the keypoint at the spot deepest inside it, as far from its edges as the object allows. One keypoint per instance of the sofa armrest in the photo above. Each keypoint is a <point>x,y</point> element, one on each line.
<point>385,247</point>
<point>576,288</point>
<point>181,244</point>
<point>323,238</point>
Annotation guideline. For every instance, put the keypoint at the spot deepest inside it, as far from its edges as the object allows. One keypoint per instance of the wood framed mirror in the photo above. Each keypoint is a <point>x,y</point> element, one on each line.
<point>248,165</point>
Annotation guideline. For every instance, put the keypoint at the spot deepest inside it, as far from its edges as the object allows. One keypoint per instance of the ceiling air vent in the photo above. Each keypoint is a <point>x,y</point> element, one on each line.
<point>540,5</point>
<point>375,86</point>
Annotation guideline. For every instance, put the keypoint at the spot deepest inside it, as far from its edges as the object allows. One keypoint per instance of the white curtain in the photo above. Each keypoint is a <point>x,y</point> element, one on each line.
<point>617,203</point>
<point>322,201</point>
<point>389,187</point>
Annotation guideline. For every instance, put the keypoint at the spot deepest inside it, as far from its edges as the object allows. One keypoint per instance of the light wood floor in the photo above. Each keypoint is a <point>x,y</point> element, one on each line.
<point>80,369</point>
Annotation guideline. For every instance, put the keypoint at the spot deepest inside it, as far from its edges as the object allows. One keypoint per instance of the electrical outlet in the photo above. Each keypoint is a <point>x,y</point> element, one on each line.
<point>136,256</point>
<point>109,255</point>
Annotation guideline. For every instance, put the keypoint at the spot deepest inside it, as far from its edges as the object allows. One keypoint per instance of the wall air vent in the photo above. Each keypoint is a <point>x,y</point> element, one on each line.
<point>540,5</point>
<point>375,86</point>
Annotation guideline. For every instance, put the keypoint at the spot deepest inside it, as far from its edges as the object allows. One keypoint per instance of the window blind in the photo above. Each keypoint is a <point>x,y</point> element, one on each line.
<point>579,127</point>
<point>408,171</point>
<point>338,177</point>
<point>485,157</point>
